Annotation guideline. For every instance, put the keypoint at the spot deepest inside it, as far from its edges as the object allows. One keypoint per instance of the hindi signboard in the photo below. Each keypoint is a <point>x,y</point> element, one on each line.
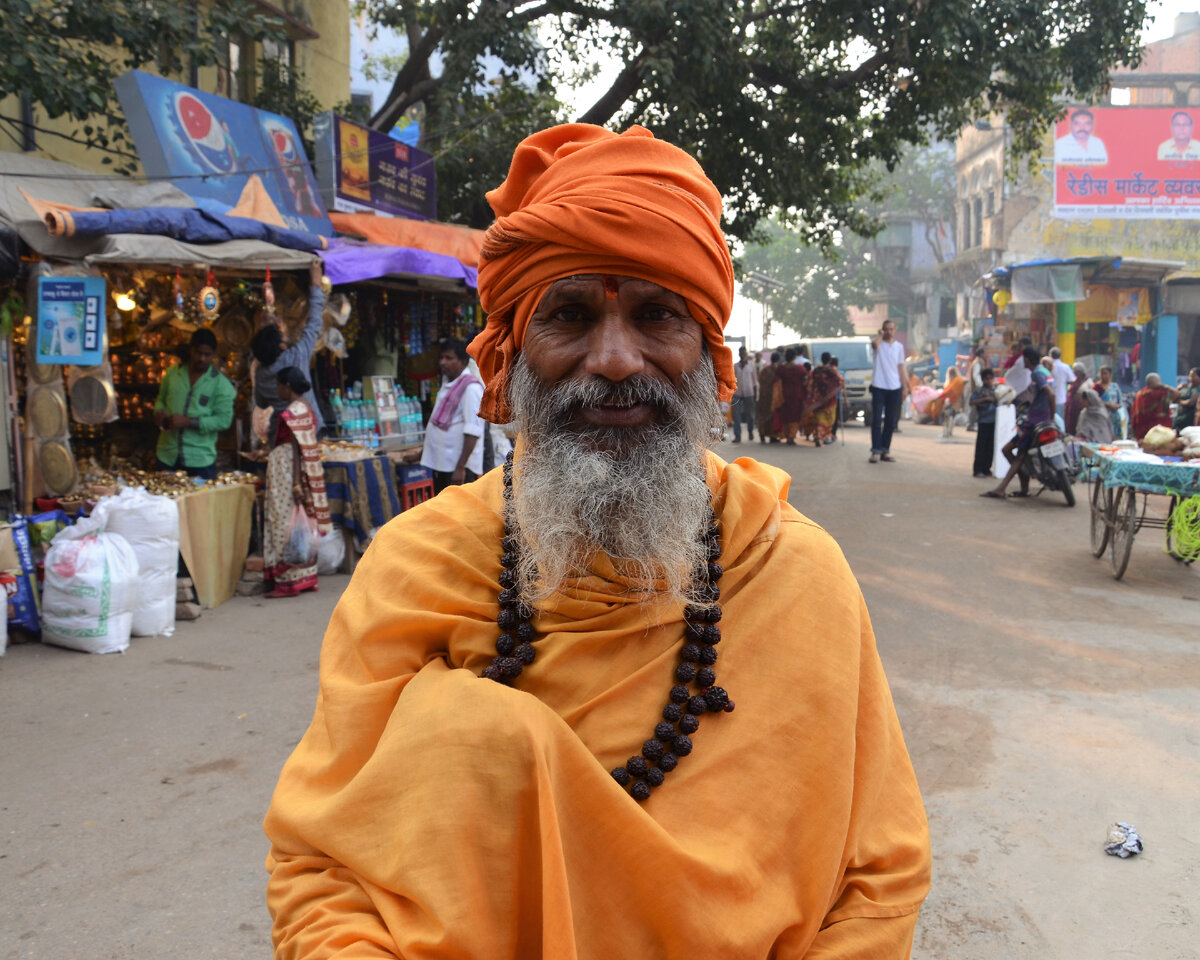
<point>210,147</point>
<point>70,320</point>
<point>363,169</point>
<point>1134,163</point>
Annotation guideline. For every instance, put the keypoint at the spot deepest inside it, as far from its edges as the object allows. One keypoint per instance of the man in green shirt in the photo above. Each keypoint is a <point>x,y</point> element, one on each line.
<point>195,403</point>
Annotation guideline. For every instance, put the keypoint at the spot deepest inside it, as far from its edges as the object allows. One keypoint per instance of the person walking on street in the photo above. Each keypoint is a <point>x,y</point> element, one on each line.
<point>983,402</point>
<point>745,396</point>
<point>770,399</point>
<point>793,377</point>
<point>889,386</point>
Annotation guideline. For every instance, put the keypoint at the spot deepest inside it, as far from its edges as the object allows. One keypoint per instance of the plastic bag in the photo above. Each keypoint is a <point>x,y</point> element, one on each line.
<point>300,549</point>
<point>20,580</point>
<point>91,588</point>
<point>331,551</point>
<point>151,525</point>
<point>1158,436</point>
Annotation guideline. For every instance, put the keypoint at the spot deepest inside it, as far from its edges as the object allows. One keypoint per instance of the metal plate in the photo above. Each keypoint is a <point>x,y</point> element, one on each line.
<point>92,399</point>
<point>1052,449</point>
<point>47,413</point>
<point>58,467</point>
<point>235,331</point>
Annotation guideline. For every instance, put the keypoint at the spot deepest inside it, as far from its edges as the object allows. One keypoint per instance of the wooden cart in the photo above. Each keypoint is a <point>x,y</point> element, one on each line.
<point>1115,515</point>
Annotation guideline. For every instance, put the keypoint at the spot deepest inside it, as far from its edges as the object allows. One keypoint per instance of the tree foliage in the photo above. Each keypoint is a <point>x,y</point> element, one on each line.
<point>817,287</point>
<point>786,104</point>
<point>64,54</point>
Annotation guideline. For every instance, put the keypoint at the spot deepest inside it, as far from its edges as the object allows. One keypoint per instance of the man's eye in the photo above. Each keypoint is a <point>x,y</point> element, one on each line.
<point>658,314</point>
<point>568,315</point>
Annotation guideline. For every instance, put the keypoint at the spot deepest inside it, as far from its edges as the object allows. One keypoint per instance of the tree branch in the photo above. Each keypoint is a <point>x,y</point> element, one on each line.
<point>624,86</point>
<point>799,85</point>
<point>415,70</point>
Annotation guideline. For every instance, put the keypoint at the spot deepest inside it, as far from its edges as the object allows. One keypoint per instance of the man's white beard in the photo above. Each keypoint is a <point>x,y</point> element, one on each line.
<point>638,494</point>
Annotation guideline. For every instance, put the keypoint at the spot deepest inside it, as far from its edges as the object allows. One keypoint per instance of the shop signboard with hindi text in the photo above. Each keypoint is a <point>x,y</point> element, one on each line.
<point>1133,163</point>
<point>70,320</point>
<point>364,170</point>
<point>210,146</point>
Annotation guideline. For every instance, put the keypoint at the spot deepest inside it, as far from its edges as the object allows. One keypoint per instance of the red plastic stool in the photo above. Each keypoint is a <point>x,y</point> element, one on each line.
<point>413,493</point>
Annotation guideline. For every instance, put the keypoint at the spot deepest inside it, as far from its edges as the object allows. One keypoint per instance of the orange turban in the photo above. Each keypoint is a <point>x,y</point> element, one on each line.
<point>581,199</point>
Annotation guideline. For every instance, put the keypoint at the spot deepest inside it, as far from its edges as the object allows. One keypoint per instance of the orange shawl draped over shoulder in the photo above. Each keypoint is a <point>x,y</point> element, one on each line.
<point>429,813</point>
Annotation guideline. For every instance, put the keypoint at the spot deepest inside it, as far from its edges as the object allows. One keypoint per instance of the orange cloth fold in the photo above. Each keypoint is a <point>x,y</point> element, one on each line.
<point>430,813</point>
<point>450,239</point>
<point>581,199</point>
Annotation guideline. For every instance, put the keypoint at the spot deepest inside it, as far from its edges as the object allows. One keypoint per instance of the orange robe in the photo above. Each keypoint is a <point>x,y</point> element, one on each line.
<point>429,813</point>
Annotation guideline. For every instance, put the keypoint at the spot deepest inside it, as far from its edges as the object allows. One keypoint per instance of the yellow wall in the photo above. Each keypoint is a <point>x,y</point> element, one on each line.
<point>324,61</point>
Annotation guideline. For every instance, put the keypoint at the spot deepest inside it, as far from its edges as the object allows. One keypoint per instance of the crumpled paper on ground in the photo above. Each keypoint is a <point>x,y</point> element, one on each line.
<point>1123,840</point>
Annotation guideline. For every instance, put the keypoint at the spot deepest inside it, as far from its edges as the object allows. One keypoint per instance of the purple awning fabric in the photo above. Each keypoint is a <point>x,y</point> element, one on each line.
<point>349,261</point>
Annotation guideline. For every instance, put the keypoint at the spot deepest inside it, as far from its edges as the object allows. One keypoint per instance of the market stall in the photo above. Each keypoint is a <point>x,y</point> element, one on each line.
<point>362,498</point>
<point>1118,477</point>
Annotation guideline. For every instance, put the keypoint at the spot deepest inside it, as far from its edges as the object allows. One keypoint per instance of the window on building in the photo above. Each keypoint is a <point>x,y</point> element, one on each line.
<point>966,224</point>
<point>282,51</point>
<point>234,76</point>
<point>977,240</point>
<point>991,203</point>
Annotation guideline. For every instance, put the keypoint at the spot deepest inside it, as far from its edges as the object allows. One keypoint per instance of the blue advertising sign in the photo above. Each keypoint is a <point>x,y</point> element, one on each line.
<point>363,169</point>
<point>211,146</point>
<point>70,320</point>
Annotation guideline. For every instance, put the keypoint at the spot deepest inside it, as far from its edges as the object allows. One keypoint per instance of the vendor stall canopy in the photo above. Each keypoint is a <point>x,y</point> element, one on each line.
<point>63,213</point>
<point>1068,281</point>
<point>24,176</point>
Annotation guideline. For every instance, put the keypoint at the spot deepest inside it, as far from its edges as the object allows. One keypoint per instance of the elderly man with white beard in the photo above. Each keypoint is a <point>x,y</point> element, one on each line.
<point>525,742</point>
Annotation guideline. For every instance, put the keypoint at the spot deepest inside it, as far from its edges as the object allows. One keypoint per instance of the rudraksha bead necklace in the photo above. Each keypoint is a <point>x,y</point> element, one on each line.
<point>695,692</point>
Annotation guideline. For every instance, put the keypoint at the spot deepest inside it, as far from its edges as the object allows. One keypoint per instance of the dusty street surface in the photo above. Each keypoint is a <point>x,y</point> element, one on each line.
<point>1041,700</point>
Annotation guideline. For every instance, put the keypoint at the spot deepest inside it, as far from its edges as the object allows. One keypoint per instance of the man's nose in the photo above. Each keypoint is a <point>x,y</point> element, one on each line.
<point>615,347</point>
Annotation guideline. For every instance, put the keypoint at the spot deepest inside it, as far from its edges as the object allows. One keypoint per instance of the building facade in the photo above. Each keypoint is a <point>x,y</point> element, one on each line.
<point>1002,220</point>
<point>316,43</point>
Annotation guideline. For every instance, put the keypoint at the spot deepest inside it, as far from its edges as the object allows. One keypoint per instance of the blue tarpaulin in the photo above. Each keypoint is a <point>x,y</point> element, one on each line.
<point>189,224</point>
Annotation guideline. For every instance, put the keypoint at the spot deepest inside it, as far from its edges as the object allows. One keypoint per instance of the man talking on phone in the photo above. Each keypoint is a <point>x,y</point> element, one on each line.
<point>889,387</point>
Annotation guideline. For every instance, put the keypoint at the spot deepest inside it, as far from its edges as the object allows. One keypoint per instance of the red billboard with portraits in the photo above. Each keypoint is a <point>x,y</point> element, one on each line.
<point>1140,163</point>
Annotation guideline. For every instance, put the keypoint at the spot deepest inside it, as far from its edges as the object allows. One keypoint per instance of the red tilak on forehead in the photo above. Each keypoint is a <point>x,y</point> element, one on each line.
<point>611,288</point>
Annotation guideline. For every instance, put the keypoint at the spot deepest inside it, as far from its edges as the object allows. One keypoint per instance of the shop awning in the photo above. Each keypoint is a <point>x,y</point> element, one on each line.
<point>351,261</point>
<point>1054,280</point>
<point>452,240</point>
<point>70,186</point>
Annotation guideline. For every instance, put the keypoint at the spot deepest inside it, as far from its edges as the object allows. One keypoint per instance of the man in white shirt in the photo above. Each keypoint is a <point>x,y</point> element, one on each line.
<point>453,445</point>
<point>889,387</point>
<point>745,396</point>
<point>1181,146</point>
<point>1079,146</point>
<point>1063,376</point>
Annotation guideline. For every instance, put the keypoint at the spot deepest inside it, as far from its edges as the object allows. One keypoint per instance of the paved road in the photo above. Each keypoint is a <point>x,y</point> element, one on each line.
<point>1040,699</point>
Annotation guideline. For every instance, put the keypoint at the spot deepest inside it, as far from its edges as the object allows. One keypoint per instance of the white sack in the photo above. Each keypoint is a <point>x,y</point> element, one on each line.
<point>331,551</point>
<point>91,588</point>
<point>151,525</point>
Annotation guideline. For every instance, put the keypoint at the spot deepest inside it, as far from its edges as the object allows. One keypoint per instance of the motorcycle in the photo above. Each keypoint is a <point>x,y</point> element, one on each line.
<point>1049,461</point>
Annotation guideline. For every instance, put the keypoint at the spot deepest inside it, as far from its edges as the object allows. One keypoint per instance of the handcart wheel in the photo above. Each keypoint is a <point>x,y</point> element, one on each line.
<point>1101,505</point>
<point>1124,524</point>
